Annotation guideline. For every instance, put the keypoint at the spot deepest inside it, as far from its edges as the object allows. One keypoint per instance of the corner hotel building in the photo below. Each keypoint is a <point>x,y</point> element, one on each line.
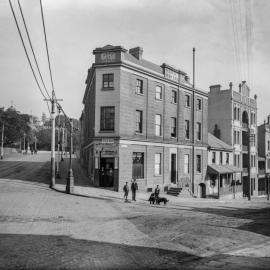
<point>137,122</point>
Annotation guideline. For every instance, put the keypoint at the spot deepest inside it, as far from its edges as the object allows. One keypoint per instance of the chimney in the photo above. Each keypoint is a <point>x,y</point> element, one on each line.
<point>136,52</point>
<point>215,88</point>
<point>231,85</point>
<point>240,86</point>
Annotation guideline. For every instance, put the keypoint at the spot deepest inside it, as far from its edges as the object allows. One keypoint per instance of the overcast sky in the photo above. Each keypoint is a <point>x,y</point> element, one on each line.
<point>167,30</point>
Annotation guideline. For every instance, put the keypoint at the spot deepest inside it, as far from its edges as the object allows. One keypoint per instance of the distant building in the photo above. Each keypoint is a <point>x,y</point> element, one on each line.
<point>221,174</point>
<point>264,156</point>
<point>232,116</point>
<point>138,123</point>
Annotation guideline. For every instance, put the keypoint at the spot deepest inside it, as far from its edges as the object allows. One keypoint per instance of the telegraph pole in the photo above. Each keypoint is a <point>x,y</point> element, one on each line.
<point>70,177</point>
<point>58,145</point>
<point>2,141</point>
<point>62,142</point>
<point>193,123</point>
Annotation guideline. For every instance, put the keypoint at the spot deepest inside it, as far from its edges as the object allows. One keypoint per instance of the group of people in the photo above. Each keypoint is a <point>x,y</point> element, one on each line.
<point>134,188</point>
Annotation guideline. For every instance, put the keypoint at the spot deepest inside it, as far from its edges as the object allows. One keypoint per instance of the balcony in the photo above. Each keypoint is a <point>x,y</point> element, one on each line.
<point>244,148</point>
<point>244,125</point>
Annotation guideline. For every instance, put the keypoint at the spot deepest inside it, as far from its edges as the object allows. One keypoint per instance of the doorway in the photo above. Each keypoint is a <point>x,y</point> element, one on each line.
<point>106,172</point>
<point>173,168</point>
<point>202,190</point>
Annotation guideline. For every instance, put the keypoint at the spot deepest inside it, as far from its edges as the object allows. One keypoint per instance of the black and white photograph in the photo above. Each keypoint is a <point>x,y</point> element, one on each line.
<point>134,134</point>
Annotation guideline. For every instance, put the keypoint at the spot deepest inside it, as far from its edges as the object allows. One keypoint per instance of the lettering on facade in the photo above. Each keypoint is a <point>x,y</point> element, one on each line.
<point>107,141</point>
<point>108,57</point>
<point>172,75</point>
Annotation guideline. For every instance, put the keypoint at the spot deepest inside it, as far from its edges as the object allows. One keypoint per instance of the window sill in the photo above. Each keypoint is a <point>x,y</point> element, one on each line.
<point>157,175</point>
<point>139,94</point>
<point>138,133</point>
<point>173,137</point>
<point>158,99</point>
<point>107,89</point>
<point>175,103</point>
<point>188,107</point>
<point>106,131</point>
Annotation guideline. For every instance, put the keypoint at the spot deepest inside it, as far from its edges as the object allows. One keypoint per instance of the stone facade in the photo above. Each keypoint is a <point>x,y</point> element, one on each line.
<point>133,92</point>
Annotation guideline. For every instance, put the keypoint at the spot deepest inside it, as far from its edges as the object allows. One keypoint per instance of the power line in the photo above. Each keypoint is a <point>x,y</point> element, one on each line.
<point>25,50</point>
<point>48,57</point>
<point>28,36</point>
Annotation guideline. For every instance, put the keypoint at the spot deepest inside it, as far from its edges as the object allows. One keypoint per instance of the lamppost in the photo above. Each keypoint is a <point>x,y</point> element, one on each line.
<point>2,140</point>
<point>70,177</point>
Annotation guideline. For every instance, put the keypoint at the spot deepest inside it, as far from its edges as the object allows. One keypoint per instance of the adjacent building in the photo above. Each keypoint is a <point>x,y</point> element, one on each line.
<point>143,121</point>
<point>264,156</point>
<point>232,117</point>
<point>221,173</point>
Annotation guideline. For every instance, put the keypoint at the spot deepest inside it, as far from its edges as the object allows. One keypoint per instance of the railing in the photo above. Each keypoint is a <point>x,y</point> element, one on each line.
<point>244,148</point>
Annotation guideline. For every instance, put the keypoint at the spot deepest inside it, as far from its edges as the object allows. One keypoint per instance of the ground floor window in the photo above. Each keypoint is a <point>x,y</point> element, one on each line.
<point>137,165</point>
<point>158,164</point>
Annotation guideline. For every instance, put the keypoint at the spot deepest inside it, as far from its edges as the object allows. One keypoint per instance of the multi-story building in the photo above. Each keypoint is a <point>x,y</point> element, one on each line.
<point>264,156</point>
<point>221,171</point>
<point>232,117</point>
<point>139,121</point>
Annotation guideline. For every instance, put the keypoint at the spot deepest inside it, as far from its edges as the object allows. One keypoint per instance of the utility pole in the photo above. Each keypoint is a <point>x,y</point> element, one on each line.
<point>193,123</point>
<point>70,177</point>
<point>63,138</point>
<point>2,141</point>
<point>23,141</point>
<point>249,180</point>
<point>58,145</point>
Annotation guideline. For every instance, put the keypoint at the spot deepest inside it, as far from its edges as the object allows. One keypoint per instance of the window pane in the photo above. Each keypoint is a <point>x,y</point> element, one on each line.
<point>158,92</point>
<point>107,118</point>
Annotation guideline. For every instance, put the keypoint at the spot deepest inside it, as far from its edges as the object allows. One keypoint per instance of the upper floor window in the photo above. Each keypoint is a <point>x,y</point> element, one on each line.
<point>158,124</point>
<point>268,145</point>
<point>227,158</point>
<point>199,131</point>
<point>137,165</point>
<point>108,81</point>
<point>220,158</point>
<point>139,119</point>
<point>174,96</point>
<point>173,127</point>
<point>213,157</point>
<point>107,118</point>
<point>199,104</point>
<point>139,86</point>
<point>158,92</point>
<point>198,163</point>
<point>187,100</point>
<point>187,129</point>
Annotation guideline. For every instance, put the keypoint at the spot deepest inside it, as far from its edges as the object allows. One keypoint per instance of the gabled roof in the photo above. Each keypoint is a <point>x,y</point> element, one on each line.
<point>222,169</point>
<point>216,143</point>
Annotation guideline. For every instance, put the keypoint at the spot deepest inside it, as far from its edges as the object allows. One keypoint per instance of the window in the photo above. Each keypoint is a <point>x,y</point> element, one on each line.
<point>174,96</point>
<point>199,131</point>
<point>220,158</point>
<point>199,104</point>
<point>198,163</point>
<point>107,118</point>
<point>187,129</point>
<point>187,100</point>
<point>139,86</point>
<point>158,92</point>
<point>139,121</point>
<point>186,164</point>
<point>268,145</point>
<point>157,164</point>
<point>137,165</point>
<point>213,157</point>
<point>227,158</point>
<point>107,81</point>
<point>234,113</point>
<point>221,181</point>
<point>268,163</point>
<point>158,124</point>
<point>173,127</point>
<point>238,114</point>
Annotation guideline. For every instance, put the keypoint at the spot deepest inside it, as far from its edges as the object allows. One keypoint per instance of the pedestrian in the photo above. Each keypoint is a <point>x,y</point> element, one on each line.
<point>157,191</point>
<point>134,188</point>
<point>126,190</point>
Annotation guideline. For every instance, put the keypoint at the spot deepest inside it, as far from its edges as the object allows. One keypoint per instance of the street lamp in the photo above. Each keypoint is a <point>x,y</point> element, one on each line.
<point>70,177</point>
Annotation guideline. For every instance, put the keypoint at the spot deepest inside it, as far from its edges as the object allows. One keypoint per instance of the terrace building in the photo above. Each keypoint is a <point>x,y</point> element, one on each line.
<point>232,117</point>
<point>143,121</point>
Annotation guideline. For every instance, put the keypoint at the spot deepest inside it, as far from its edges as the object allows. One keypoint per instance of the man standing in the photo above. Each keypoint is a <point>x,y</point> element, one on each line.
<point>157,191</point>
<point>134,188</point>
<point>126,190</point>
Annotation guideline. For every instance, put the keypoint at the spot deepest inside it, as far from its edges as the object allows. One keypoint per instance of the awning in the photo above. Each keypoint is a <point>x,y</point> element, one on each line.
<point>222,169</point>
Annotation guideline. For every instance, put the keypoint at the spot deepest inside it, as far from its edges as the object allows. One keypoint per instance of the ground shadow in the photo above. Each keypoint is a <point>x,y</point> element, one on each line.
<point>20,251</point>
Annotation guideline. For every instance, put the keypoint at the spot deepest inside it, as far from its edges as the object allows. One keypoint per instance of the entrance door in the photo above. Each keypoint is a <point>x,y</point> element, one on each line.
<point>173,168</point>
<point>106,172</point>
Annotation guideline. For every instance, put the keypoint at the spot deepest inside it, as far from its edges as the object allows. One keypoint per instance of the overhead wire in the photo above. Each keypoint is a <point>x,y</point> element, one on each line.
<point>27,55</point>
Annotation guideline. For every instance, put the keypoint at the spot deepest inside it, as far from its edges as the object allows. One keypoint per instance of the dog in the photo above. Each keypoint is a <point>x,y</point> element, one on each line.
<point>152,198</point>
<point>161,199</point>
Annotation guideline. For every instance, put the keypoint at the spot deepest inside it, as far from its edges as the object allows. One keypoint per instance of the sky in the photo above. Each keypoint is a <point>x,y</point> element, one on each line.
<point>231,37</point>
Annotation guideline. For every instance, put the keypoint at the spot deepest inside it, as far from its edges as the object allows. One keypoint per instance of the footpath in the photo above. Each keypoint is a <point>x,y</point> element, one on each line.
<point>82,187</point>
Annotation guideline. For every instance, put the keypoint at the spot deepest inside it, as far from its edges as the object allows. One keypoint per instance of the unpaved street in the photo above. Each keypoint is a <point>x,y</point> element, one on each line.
<point>44,229</point>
